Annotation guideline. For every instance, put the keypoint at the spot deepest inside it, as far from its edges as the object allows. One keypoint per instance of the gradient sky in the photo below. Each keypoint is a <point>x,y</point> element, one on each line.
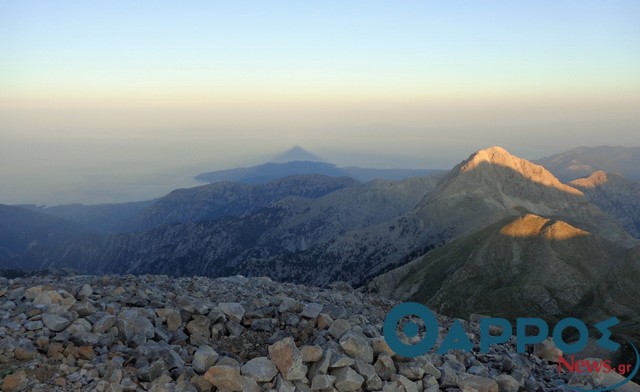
<point>119,100</point>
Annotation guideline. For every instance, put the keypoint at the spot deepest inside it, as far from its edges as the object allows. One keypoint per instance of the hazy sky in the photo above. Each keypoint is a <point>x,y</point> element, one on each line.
<point>118,100</point>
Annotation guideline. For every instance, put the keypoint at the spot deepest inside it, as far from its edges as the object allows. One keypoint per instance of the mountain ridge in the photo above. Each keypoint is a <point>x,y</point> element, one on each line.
<point>614,194</point>
<point>349,234</point>
<point>582,161</point>
<point>273,170</point>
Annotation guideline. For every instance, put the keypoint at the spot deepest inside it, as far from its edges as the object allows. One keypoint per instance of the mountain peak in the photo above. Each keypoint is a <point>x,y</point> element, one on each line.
<point>596,179</point>
<point>531,225</point>
<point>493,155</point>
<point>499,157</point>
<point>296,153</point>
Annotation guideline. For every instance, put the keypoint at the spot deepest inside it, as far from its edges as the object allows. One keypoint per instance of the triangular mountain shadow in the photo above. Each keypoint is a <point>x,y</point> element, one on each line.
<point>296,153</point>
<point>297,161</point>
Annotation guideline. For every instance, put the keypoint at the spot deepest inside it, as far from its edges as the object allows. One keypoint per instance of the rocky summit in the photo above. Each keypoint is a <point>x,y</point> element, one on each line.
<point>158,333</point>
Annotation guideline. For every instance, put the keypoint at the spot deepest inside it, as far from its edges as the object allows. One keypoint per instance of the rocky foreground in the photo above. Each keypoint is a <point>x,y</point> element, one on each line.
<point>157,333</point>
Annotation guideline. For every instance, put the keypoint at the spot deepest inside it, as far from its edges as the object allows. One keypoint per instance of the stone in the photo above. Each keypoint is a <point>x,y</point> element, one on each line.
<point>216,315</point>
<point>385,367</point>
<point>234,328</point>
<point>54,322</point>
<point>162,384</point>
<point>202,306</point>
<point>411,370</point>
<point>84,309</point>
<point>530,384</point>
<point>431,370</point>
<point>393,386</point>
<point>228,361</point>
<point>183,385</point>
<point>289,305</point>
<point>430,384</point>
<point>90,339</point>
<point>288,359</point>
<point>311,353</point>
<point>15,382</point>
<point>104,324</point>
<point>339,327</point>
<point>33,325</point>
<point>249,385</point>
<point>471,383</point>
<point>322,381</point>
<point>42,342</point>
<point>262,324</point>
<point>356,347</point>
<point>201,384</point>
<point>171,317</point>
<point>32,292</point>
<point>200,326</point>
<point>507,365</point>
<point>311,310</point>
<point>152,371</point>
<point>407,385</point>
<point>448,376</point>
<point>547,350</point>
<point>322,366</point>
<point>379,345</point>
<point>204,358</point>
<point>54,349</point>
<point>261,369</point>
<point>506,383</point>
<point>84,292</point>
<point>86,352</point>
<point>172,359</point>
<point>283,385</point>
<point>233,310</point>
<point>339,360</point>
<point>79,326</point>
<point>48,298</point>
<point>134,328</point>
<point>25,352</point>
<point>324,321</point>
<point>372,380</point>
<point>477,370</point>
<point>225,378</point>
<point>347,380</point>
<point>292,319</point>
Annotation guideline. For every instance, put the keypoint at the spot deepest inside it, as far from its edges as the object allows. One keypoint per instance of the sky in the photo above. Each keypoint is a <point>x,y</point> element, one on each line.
<point>120,100</point>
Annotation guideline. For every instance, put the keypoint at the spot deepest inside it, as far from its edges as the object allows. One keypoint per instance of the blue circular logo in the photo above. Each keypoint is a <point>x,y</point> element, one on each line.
<point>410,329</point>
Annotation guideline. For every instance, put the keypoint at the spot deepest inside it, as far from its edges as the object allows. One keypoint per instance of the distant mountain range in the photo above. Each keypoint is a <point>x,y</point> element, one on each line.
<point>582,161</point>
<point>299,161</point>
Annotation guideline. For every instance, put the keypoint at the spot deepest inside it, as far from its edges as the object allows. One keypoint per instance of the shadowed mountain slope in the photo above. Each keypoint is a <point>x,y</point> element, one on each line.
<point>224,199</point>
<point>22,229</point>
<point>615,195</point>
<point>294,238</point>
<point>100,218</point>
<point>526,266</point>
